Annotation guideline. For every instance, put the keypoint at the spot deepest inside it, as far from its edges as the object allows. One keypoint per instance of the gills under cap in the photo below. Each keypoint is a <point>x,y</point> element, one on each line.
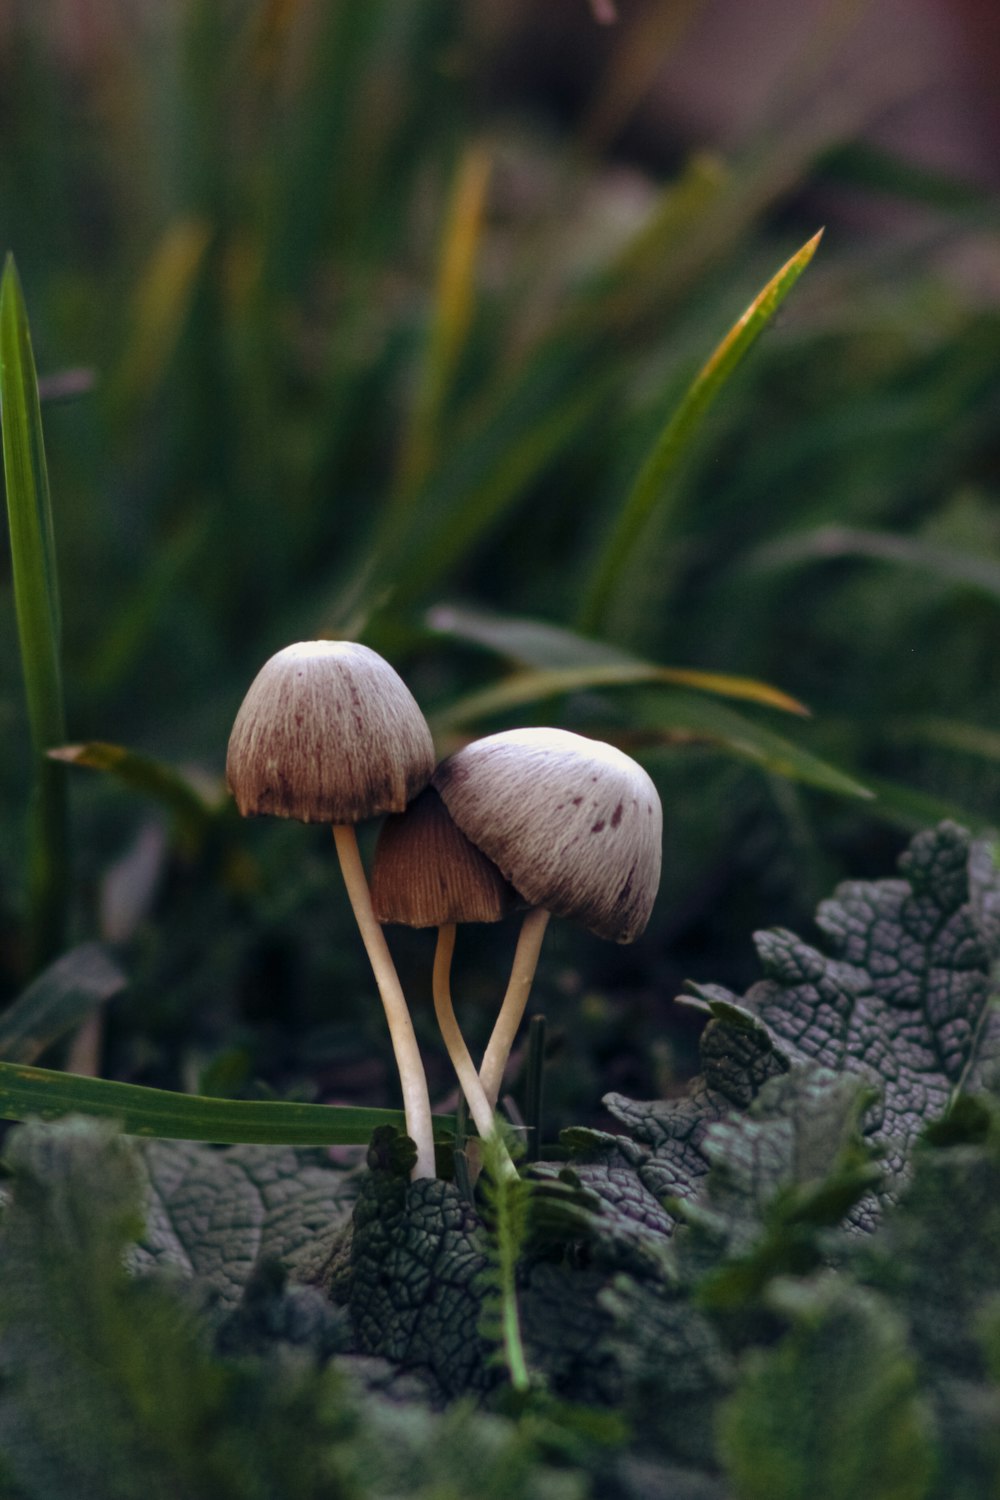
<point>328,733</point>
<point>574,824</point>
<point>426,873</point>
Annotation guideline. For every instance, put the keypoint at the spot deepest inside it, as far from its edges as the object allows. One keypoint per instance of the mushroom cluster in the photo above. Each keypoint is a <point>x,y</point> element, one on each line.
<point>538,818</point>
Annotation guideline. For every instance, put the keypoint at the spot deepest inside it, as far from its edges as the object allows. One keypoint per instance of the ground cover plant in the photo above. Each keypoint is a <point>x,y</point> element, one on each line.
<point>570,445</point>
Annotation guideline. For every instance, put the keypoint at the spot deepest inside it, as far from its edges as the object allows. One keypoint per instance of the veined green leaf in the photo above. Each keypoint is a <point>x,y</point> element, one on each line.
<point>36,600</point>
<point>43,1092</point>
<point>647,490</point>
<point>681,718</point>
<point>62,996</point>
<point>563,662</point>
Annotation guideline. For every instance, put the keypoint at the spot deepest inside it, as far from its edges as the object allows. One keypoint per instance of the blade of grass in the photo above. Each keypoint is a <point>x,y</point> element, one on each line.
<point>152,778</point>
<point>682,718</point>
<point>42,1092</point>
<point>36,600</point>
<point>648,489</point>
<point>533,687</point>
<point>162,301</point>
<point>452,314</point>
<point>950,734</point>
<point>62,996</point>
<point>830,542</point>
<point>562,661</point>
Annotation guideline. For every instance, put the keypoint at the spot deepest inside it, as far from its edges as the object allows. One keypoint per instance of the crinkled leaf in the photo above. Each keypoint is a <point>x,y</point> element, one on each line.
<point>417,1258</point>
<point>833,1410</point>
<point>111,1391</point>
<point>108,1390</point>
<point>793,1166</point>
<point>902,996</point>
<point>936,1256</point>
<point>215,1215</point>
<point>674,1368</point>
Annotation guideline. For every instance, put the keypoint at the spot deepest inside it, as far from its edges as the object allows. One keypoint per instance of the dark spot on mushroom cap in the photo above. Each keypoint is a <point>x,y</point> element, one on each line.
<point>598,827</point>
<point>577,801</point>
<point>616,816</point>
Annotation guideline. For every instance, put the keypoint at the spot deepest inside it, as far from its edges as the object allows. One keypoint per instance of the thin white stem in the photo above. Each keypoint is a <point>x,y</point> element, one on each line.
<point>416,1100</point>
<point>522,972</point>
<point>479,1106</point>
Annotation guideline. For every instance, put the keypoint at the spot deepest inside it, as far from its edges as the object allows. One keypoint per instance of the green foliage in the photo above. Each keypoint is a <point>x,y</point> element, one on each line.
<point>834,1410</point>
<point>783,1274</point>
<point>39,617</point>
<point>505,1209</point>
<point>110,1388</point>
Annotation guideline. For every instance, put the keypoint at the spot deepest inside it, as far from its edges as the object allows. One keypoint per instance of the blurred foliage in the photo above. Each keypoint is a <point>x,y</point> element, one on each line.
<point>327,345</point>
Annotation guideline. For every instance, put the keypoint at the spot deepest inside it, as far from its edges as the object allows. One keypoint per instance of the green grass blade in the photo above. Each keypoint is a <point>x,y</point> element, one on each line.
<point>683,718</point>
<point>36,599</point>
<point>451,317</point>
<point>42,1092</point>
<point>535,687</point>
<point>152,778</point>
<point>559,661</point>
<point>827,543</point>
<point>648,489</point>
<point>62,996</point>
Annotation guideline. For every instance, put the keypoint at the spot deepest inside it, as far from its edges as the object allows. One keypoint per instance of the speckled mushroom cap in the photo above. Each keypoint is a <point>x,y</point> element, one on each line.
<point>426,873</point>
<point>574,824</point>
<point>328,733</point>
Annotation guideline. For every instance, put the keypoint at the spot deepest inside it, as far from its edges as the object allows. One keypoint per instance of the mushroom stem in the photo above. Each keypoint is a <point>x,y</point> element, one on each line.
<point>416,1100</point>
<point>522,972</point>
<point>465,1069</point>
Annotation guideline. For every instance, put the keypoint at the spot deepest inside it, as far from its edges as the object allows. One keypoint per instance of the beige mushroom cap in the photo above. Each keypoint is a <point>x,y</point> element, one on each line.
<point>574,824</point>
<point>328,733</point>
<point>426,873</point>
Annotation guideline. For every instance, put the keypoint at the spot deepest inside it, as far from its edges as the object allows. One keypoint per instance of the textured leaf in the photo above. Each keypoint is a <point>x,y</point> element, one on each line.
<point>793,1166</point>
<point>417,1259</point>
<point>216,1215</point>
<point>936,1256</point>
<point>108,1390</point>
<point>832,1412</point>
<point>902,998</point>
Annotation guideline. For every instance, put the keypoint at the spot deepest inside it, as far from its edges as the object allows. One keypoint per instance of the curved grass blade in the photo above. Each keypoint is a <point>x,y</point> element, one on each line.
<point>159,1113</point>
<point>36,600</point>
<point>452,314</point>
<point>949,734</point>
<point>829,542</point>
<point>647,491</point>
<point>682,718</point>
<point>534,687</point>
<point>563,662</point>
<point>62,996</point>
<point>153,778</point>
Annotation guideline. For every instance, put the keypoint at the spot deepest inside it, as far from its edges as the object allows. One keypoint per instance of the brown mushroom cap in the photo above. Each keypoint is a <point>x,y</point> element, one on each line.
<point>328,733</point>
<point>426,873</point>
<point>574,824</point>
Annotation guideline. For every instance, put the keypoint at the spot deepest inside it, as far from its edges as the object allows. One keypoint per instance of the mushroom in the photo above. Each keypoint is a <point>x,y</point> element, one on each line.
<point>575,825</point>
<point>426,873</point>
<point>329,733</point>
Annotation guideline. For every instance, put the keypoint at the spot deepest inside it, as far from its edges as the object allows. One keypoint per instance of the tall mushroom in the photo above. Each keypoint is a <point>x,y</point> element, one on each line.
<point>329,733</point>
<point>426,873</point>
<point>575,825</point>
